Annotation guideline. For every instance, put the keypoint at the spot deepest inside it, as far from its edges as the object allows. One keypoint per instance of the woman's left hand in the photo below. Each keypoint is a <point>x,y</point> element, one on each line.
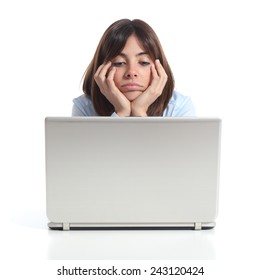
<point>140,105</point>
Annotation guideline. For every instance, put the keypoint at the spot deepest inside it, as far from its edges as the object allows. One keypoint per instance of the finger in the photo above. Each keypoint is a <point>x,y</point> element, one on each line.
<point>159,68</point>
<point>154,71</point>
<point>102,70</point>
<point>111,73</point>
<point>98,70</point>
<point>110,79</point>
<point>103,73</point>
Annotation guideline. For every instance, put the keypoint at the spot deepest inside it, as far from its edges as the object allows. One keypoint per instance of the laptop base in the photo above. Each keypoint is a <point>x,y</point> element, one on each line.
<point>173,226</point>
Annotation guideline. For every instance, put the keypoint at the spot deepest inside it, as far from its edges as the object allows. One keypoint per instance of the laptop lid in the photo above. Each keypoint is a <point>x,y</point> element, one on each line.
<point>132,172</point>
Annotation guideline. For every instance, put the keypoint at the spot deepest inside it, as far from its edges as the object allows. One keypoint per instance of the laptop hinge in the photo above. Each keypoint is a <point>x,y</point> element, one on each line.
<point>198,226</point>
<point>66,226</point>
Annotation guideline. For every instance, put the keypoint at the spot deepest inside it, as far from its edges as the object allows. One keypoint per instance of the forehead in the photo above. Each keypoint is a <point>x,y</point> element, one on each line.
<point>133,45</point>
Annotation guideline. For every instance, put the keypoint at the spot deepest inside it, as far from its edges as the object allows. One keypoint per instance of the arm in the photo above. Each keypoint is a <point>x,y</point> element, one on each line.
<point>141,104</point>
<point>105,80</point>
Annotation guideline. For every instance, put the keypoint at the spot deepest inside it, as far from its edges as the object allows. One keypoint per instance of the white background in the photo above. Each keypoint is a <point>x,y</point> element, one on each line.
<point>213,48</point>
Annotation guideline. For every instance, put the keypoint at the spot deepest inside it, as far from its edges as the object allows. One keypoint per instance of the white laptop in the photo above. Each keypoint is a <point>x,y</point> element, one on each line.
<point>132,173</point>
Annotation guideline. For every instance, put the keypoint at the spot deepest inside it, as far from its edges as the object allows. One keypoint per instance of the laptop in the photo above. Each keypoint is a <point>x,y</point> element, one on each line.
<point>132,172</point>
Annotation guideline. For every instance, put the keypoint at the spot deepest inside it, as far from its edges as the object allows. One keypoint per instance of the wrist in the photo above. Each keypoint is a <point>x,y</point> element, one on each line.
<point>135,113</point>
<point>123,113</point>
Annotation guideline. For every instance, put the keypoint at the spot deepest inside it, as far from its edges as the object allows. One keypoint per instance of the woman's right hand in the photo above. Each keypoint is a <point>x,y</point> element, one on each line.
<point>104,78</point>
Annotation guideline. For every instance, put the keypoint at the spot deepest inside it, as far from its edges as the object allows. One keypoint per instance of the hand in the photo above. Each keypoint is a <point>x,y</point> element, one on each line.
<point>140,105</point>
<point>104,78</point>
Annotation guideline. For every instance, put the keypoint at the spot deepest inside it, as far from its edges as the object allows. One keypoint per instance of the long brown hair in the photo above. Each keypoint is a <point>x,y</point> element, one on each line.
<point>110,45</point>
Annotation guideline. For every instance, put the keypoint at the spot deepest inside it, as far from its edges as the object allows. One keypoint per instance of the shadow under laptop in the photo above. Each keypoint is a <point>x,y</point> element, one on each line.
<point>132,244</point>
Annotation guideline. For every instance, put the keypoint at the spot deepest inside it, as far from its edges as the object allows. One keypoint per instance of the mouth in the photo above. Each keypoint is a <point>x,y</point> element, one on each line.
<point>131,87</point>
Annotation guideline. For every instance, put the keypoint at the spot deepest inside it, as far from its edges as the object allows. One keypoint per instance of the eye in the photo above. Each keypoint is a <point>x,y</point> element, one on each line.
<point>118,63</point>
<point>144,63</point>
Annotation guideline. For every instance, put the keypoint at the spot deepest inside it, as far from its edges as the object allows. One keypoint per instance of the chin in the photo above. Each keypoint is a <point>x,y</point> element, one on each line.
<point>132,95</point>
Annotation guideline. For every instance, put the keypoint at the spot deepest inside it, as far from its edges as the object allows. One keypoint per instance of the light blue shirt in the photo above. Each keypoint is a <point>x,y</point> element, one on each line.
<point>178,106</point>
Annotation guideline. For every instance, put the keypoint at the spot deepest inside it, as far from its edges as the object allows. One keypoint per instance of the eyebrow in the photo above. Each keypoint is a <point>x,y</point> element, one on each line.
<point>139,54</point>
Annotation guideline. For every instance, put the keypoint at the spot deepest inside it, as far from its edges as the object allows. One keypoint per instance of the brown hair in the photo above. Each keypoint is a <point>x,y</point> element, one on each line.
<point>110,45</point>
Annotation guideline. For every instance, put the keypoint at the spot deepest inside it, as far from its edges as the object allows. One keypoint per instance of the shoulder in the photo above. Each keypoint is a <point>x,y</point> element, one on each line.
<point>180,106</point>
<point>179,99</point>
<point>83,106</point>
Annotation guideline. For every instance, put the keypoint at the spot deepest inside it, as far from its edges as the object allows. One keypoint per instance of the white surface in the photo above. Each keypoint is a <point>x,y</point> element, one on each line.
<point>213,47</point>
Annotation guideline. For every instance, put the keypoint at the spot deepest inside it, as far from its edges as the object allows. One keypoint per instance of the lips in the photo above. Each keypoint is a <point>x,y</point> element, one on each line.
<point>131,86</point>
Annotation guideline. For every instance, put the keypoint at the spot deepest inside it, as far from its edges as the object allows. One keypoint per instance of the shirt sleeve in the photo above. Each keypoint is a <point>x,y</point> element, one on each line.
<point>115,115</point>
<point>82,106</point>
<point>187,108</point>
<point>180,106</point>
<point>76,111</point>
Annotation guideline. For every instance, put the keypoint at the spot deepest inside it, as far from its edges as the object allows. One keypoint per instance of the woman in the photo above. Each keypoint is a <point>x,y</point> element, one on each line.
<point>130,76</point>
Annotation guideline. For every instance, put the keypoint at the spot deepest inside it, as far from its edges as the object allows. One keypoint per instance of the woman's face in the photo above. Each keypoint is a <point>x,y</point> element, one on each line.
<point>133,69</point>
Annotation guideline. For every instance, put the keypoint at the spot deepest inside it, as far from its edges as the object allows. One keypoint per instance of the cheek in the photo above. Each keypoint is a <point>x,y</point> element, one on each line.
<point>117,77</point>
<point>147,77</point>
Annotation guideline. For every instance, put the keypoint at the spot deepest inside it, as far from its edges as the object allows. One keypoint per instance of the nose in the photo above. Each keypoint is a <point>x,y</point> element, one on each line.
<point>131,72</point>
